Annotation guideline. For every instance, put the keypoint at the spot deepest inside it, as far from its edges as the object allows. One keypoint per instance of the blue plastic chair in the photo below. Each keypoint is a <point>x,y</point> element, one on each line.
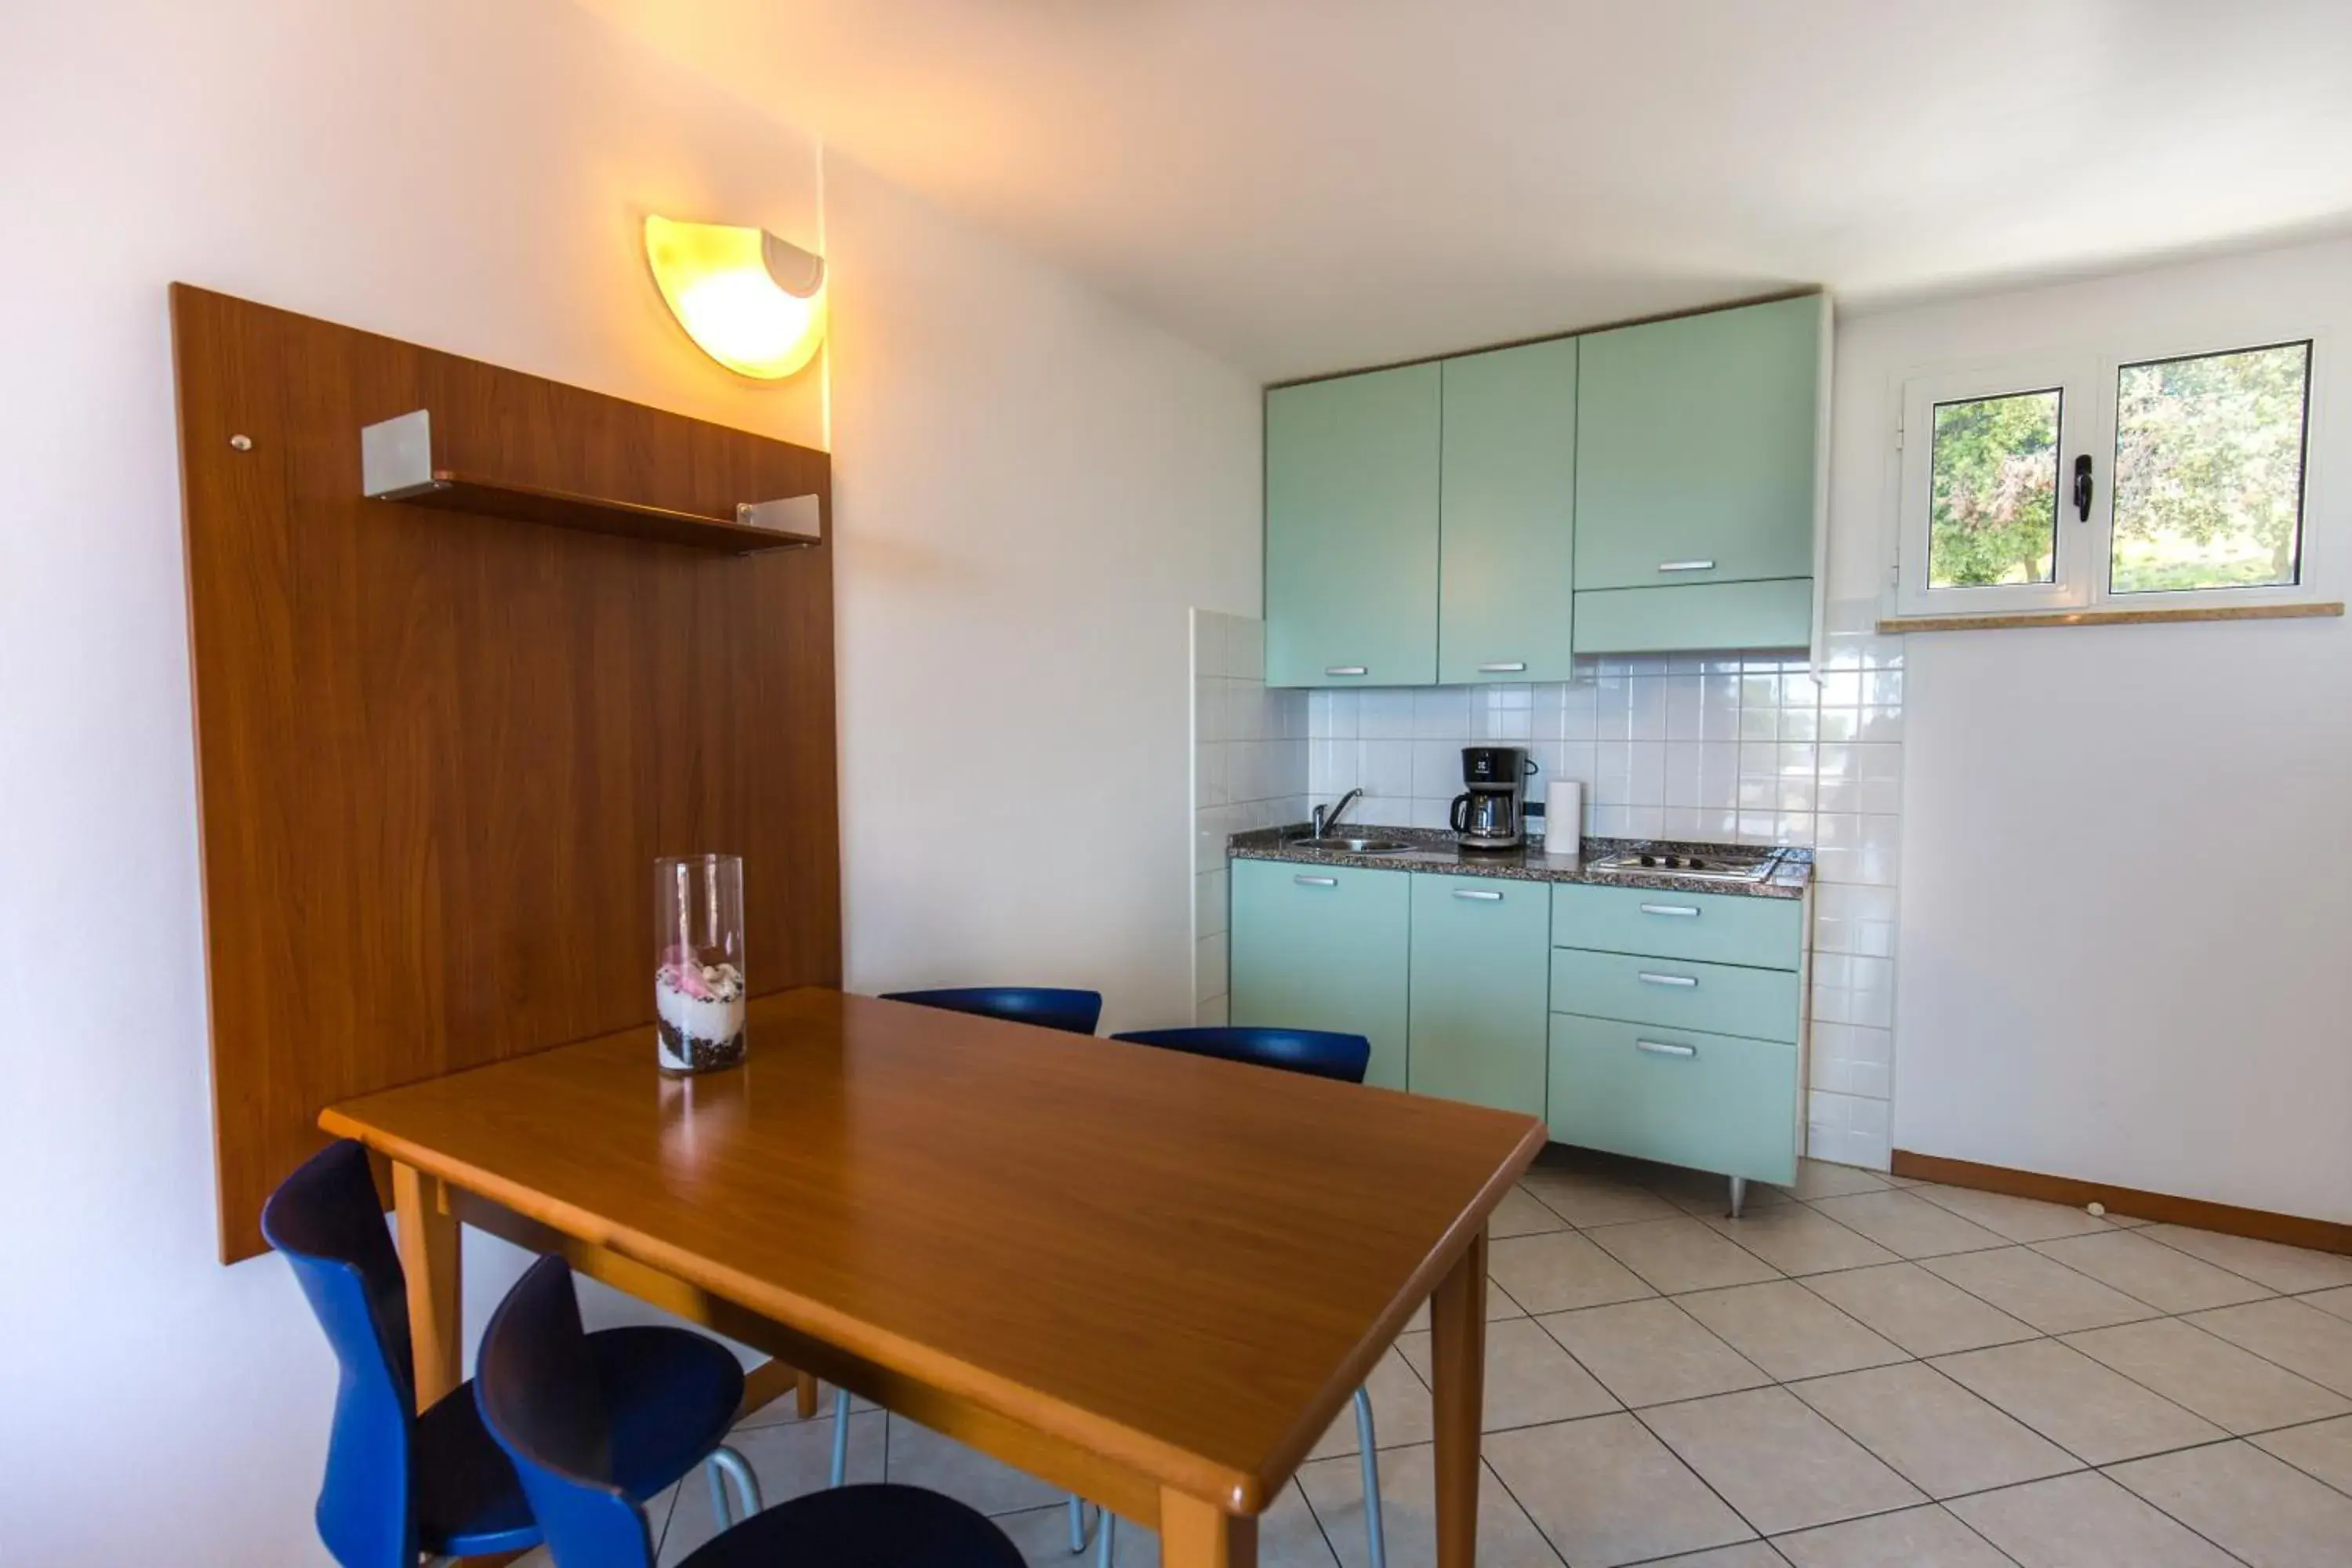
<point>399,1484</point>
<point>538,1395</point>
<point>1322,1054</point>
<point>1072,1012</point>
<point>1317,1052</point>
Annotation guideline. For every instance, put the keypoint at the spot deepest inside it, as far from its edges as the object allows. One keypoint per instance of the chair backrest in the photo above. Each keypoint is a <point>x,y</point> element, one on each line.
<point>1072,1012</point>
<point>537,1389</point>
<point>328,1221</point>
<point>1316,1051</point>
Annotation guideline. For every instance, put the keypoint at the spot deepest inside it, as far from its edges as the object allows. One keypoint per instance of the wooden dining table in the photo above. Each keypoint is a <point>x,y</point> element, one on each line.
<point>1150,1277</point>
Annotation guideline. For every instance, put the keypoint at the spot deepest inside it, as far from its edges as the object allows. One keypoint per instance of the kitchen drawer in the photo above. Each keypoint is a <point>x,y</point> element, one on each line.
<point>1711,1102</point>
<point>1721,998</point>
<point>1715,928</point>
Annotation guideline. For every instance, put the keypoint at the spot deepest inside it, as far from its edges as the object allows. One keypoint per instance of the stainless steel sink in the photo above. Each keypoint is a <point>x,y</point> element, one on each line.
<point>1349,846</point>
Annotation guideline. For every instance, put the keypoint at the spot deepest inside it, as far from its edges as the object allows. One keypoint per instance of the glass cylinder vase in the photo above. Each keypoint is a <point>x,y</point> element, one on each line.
<point>698,982</point>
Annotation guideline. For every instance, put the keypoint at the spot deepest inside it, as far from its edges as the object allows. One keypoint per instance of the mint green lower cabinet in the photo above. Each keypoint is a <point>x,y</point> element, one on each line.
<point>1481,947</point>
<point>1711,1102</point>
<point>1324,947</point>
<point>1696,617</point>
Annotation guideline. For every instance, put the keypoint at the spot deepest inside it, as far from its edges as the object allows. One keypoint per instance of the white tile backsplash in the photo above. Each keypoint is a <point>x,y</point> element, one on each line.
<point>1251,767</point>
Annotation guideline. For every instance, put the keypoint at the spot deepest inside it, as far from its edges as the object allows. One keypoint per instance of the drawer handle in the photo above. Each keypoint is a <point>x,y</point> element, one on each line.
<point>1688,911</point>
<point>1647,978</point>
<point>1317,881</point>
<point>1686,565</point>
<point>1506,667</point>
<point>1345,669</point>
<point>1474,893</point>
<point>1665,1048</point>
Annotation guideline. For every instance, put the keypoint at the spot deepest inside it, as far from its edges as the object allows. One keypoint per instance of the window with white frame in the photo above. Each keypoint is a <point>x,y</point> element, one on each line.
<point>2177,480</point>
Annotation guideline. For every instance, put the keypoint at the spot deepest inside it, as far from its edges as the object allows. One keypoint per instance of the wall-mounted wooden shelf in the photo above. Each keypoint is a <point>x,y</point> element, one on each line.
<point>396,464</point>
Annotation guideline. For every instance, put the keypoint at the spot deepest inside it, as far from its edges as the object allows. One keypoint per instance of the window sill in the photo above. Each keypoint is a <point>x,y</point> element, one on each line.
<point>1992,622</point>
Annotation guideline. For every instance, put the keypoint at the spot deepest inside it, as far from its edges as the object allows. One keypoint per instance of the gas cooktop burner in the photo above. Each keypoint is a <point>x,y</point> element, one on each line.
<point>1728,865</point>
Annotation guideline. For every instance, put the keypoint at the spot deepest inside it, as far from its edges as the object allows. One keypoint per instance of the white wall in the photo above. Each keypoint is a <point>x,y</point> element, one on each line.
<point>2124,921</point>
<point>1038,487</point>
<point>1035,488</point>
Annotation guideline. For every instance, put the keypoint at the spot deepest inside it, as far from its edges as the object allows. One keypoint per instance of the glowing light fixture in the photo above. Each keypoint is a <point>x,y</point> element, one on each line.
<point>751,302</point>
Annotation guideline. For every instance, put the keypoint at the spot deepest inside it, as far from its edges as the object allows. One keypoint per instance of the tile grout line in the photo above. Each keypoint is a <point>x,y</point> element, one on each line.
<point>2160,1394</point>
<point>2290,1464</point>
<point>1686,1464</point>
<point>1322,1529</point>
<point>2080,1464</point>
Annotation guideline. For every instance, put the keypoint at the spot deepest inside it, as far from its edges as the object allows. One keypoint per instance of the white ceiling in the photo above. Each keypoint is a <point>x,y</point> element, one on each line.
<point>1304,185</point>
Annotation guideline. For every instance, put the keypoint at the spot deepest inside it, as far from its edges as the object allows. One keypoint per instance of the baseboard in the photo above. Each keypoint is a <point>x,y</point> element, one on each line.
<point>2294,1230</point>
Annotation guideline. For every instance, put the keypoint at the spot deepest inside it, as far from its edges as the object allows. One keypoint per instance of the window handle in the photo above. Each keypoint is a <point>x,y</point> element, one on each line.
<point>2083,488</point>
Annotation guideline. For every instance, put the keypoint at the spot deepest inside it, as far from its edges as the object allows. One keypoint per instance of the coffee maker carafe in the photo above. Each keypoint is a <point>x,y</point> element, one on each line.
<point>1491,814</point>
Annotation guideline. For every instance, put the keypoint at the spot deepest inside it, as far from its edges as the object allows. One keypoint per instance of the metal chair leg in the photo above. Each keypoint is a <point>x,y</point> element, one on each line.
<point>1077,1525</point>
<point>1375,1540</point>
<point>727,1461</point>
<point>1104,1538</point>
<point>840,1438</point>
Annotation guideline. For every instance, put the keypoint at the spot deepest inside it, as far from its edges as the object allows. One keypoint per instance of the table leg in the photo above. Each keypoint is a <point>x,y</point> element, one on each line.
<point>1197,1535</point>
<point>804,1396</point>
<point>429,1257</point>
<point>1457,1324</point>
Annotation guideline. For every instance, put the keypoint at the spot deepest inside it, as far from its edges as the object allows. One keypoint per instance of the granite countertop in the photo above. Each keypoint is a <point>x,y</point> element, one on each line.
<point>1435,851</point>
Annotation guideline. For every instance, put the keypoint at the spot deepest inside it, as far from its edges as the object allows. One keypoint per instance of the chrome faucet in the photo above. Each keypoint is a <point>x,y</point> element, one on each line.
<point>1327,817</point>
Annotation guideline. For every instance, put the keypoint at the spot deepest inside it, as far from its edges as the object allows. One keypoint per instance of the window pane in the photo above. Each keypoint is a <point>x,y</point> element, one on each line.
<point>1992,515</point>
<point>2209,470</point>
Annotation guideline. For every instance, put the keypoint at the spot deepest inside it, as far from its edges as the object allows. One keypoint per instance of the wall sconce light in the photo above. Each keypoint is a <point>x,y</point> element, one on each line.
<point>750,300</point>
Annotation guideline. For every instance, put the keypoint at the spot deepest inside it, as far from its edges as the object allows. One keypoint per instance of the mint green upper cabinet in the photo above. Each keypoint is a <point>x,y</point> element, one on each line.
<point>1696,448</point>
<point>1507,515</point>
<point>1351,513</point>
<point>1481,951</point>
<point>1324,947</point>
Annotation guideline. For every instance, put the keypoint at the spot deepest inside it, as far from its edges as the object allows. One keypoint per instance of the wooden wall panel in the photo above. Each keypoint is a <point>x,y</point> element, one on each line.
<point>437,753</point>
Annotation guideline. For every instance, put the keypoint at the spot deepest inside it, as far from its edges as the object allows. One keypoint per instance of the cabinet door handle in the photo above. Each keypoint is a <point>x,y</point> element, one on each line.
<point>1647,978</point>
<point>1686,565</point>
<point>1317,881</point>
<point>1504,666</point>
<point>1688,911</point>
<point>1664,1049</point>
<point>1345,669</point>
<point>1474,893</point>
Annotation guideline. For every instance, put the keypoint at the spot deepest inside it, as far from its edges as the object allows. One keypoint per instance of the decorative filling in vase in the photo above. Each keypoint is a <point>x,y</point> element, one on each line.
<point>700,1014</point>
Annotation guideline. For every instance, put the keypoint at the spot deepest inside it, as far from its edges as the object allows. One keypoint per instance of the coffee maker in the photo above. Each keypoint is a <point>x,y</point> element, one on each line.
<point>1492,813</point>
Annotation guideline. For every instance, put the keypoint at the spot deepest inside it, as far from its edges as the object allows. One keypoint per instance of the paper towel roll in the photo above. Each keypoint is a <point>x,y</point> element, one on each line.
<point>1563,816</point>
